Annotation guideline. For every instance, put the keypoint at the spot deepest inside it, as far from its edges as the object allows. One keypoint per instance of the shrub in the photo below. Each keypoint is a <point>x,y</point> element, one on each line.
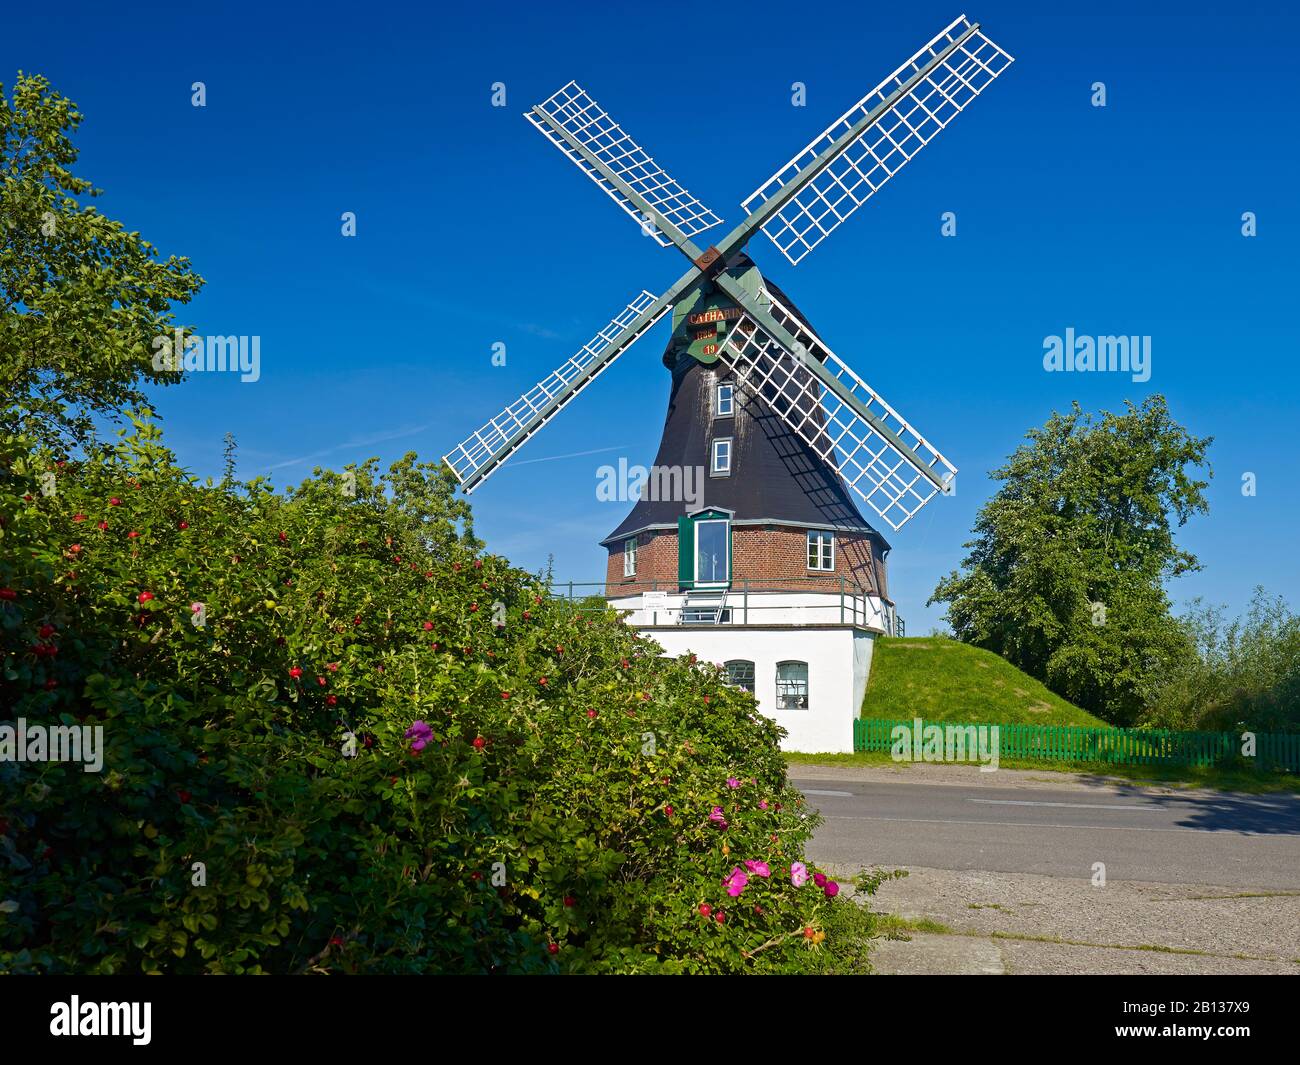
<point>340,738</point>
<point>1239,674</point>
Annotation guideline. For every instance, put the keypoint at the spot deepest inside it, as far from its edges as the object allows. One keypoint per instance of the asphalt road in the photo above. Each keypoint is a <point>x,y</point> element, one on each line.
<point>1242,841</point>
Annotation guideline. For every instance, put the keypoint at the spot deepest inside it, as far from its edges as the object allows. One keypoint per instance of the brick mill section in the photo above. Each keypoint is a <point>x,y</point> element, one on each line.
<point>774,557</point>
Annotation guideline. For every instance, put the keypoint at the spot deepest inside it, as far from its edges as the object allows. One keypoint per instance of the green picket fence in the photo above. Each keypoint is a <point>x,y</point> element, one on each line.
<point>1117,746</point>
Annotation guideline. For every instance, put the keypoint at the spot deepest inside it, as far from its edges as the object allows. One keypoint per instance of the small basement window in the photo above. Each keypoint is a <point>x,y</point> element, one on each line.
<point>629,557</point>
<point>740,674</point>
<point>821,550</point>
<point>792,685</point>
<point>720,464</point>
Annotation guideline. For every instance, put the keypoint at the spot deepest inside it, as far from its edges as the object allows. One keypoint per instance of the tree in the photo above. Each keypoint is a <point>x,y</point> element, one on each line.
<point>1067,572</point>
<point>81,298</point>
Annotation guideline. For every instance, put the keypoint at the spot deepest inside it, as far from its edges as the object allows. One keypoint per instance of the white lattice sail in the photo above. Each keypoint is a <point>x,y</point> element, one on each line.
<point>885,475</point>
<point>572,110</point>
<point>885,146</point>
<point>490,445</point>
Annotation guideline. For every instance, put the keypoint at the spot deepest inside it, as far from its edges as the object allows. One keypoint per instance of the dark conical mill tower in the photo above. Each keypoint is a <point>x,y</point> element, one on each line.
<point>726,454</point>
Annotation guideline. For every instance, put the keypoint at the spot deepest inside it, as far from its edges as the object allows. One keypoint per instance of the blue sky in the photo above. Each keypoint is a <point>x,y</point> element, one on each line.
<point>472,230</point>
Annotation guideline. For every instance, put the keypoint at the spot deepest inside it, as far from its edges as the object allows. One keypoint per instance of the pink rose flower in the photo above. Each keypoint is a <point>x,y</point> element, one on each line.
<point>819,879</point>
<point>798,874</point>
<point>758,868</point>
<point>732,782</point>
<point>716,817</point>
<point>736,882</point>
<point>420,733</point>
<point>832,889</point>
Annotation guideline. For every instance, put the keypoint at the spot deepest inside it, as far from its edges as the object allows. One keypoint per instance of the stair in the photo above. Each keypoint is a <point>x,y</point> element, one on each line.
<point>704,606</point>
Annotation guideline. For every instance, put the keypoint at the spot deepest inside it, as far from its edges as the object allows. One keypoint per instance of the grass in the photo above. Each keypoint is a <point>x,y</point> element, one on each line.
<point>939,679</point>
<point>892,926</point>
<point>1240,780</point>
<point>1237,895</point>
<point>1153,948</point>
<point>944,680</point>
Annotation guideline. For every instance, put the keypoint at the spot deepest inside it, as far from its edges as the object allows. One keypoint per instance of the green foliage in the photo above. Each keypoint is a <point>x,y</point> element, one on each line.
<point>81,298</point>
<point>939,679</point>
<point>557,818</point>
<point>1067,572</point>
<point>1241,674</point>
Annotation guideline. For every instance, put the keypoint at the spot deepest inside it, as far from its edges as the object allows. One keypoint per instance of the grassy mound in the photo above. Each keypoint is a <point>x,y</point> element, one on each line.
<point>939,679</point>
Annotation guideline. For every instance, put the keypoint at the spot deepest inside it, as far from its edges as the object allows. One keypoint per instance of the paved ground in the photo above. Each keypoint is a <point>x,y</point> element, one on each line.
<point>1195,881</point>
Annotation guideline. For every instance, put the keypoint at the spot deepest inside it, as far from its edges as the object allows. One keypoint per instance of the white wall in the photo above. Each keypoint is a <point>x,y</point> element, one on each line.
<point>838,660</point>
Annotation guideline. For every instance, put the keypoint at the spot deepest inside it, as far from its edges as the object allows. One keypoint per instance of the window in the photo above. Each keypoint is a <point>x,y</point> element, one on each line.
<point>724,403</point>
<point>721,463</point>
<point>740,674</point>
<point>712,566</point>
<point>704,550</point>
<point>821,550</point>
<point>792,685</point>
<point>629,557</point>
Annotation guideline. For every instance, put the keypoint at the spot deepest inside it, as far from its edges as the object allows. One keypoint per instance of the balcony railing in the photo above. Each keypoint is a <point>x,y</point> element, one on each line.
<point>810,601</point>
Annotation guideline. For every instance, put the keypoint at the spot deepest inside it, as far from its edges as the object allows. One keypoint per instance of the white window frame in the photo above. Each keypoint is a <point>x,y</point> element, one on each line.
<point>807,685</point>
<point>726,553</point>
<point>822,537</point>
<point>629,557</point>
<point>714,469</point>
<point>753,674</point>
<point>718,412</point>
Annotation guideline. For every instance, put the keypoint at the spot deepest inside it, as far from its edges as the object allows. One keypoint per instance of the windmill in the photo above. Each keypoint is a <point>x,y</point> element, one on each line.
<point>807,420</point>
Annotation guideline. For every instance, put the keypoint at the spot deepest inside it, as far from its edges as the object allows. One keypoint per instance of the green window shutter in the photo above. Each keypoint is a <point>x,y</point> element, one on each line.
<point>685,551</point>
<point>731,556</point>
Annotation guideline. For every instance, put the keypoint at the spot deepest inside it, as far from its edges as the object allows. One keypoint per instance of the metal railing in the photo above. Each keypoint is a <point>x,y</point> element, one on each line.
<point>811,600</point>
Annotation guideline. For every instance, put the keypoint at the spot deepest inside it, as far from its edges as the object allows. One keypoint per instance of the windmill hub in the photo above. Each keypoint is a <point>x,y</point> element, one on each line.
<point>772,569</point>
<point>708,259</point>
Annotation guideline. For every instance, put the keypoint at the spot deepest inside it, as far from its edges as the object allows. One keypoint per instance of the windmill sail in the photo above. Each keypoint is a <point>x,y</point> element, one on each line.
<point>910,106</point>
<point>574,122</point>
<point>885,474</point>
<point>476,457</point>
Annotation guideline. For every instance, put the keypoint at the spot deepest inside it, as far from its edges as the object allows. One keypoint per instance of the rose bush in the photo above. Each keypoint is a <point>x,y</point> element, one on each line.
<point>339,737</point>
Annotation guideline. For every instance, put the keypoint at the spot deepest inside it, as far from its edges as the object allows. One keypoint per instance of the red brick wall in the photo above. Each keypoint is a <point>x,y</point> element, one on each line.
<point>656,561</point>
<point>772,556</point>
